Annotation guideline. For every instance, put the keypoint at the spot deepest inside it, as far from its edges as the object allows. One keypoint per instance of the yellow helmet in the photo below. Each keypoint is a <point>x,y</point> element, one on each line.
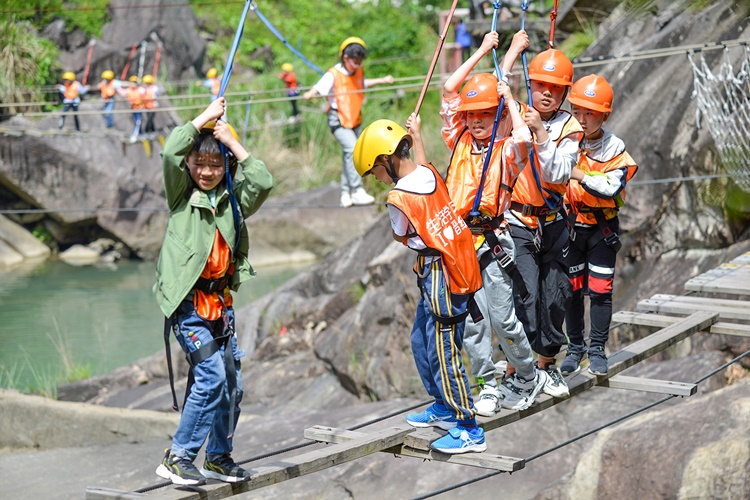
<point>108,75</point>
<point>381,137</point>
<point>148,79</point>
<point>210,126</point>
<point>211,73</point>
<point>287,67</point>
<point>133,78</point>
<point>349,41</point>
<point>69,75</point>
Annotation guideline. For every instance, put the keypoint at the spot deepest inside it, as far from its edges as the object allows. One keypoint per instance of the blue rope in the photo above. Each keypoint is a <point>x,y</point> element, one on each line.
<point>555,197</point>
<point>224,150</point>
<point>280,37</point>
<point>474,213</point>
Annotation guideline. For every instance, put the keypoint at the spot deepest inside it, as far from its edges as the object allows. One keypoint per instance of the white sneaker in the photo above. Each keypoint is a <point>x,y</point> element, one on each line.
<point>524,392</point>
<point>360,197</point>
<point>346,200</point>
<point>555,386</point>
<point>488,401</point>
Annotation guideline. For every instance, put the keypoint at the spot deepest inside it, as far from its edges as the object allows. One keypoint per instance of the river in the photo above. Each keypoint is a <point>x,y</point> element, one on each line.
<point>58,321</point>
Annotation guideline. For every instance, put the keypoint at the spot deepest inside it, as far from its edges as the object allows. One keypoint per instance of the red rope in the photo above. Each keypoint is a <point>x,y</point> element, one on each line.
<point>127,64</point>
<point>552,18</point>
<point>156,61</point>
<point>88,63</point>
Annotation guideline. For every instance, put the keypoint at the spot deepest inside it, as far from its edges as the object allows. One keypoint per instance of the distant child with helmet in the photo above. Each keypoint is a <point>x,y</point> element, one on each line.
<point>594,196</point>
<point>468,120</point>
<point>423,218</point>
<point>150,92</point>
<point>343,85</point>
<point>108,88</point>
<point>204,256</point>
<point>212,83</point>
<point>536,214</point>
<point>134,93</point>
<point>71,92</point>
<point>290,82</point>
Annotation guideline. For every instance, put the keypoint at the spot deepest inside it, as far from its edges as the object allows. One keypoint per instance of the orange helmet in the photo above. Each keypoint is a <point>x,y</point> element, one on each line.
<point>480,92</point>
<point>551,66</point>
<point>592,92</point>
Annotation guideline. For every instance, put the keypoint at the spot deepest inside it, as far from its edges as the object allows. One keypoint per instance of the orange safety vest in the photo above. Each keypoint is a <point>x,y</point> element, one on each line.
<point>135,97</point>
<point>526,191</point>
<point>290,80</point>
<point>215,86</point>
<point>348,100</point>
<point>149,97</point>
<point>108,89</point>
<point>465,172</point>
<point>71,91</point>
<point>578,198</point>
<point>441,228</point>
<point>209,305</point>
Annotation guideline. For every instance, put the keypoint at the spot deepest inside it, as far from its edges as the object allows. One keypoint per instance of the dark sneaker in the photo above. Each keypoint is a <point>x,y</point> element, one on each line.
<point>555,386</point>
<point>179,470</point>
<point>597,361</point>
<point>224,469</point>
<point>572,362</point>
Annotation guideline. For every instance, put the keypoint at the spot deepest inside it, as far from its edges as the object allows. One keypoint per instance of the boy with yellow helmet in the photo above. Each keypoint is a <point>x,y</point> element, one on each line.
<point>211,82</point>
<point>292,89</point>
<point>108,88</point>
<point>150,92</point>
<point>134,93</point>
<point>71,92</point>
<point>536,214</point>
<point>204,257</point>
<point>594,196</point>
<point>343,85</point>
<point>423,219</point>
<point>468,120</point>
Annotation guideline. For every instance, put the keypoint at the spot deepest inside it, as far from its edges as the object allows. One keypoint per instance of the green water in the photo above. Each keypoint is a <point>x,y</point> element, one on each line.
<point>92,319</point>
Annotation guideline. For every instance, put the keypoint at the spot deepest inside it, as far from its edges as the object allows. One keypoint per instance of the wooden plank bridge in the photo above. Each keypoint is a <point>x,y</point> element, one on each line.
<point>685,316</point>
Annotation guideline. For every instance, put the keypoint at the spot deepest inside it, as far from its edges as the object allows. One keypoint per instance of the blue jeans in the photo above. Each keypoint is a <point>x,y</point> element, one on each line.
<point>137,117</point>
<point>437,347</point>
<point>109,105</point>
<point>206,409</point>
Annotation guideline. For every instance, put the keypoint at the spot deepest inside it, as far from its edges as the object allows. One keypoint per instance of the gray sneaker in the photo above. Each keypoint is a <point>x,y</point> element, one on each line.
<point>572,362</point>
<point>555,386</point>
<point>179,470</point>
<point>524,392</point>
<point>597,361</point>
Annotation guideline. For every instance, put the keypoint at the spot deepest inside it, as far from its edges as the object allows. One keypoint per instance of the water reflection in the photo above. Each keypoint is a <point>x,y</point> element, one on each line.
<point>53,314</point>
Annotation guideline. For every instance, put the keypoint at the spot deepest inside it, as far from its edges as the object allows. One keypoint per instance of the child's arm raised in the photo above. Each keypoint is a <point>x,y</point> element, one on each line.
<point>503,91</point>
<point>414,126</point>
<point>453,83</point>
<point>223,134</point>
<point>214,111</point>
<point>517,46</point>
<point>371,82</point>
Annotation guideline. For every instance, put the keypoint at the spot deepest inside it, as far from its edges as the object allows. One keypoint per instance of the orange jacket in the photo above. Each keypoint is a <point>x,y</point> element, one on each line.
<point>526,191</point>
<point>149,97</point>
<point>72,90</point>
<point>107,89</point>
<point>441,228</point>
<point>208,305</point>
<point>348,100</point>
<point>578,198</point>
<point>135,97</point>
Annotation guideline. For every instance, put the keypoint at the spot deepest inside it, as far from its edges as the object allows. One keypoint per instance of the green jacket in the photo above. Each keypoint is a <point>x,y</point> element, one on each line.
<point>192,224</point>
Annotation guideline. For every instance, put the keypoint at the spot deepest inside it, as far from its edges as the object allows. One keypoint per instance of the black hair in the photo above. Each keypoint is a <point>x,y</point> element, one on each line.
<point>354,51</point>
<point>402,150</point>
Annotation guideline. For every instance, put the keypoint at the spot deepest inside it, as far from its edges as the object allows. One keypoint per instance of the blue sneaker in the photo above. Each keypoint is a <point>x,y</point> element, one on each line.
<point>433,417</point>
<point>461,440</point>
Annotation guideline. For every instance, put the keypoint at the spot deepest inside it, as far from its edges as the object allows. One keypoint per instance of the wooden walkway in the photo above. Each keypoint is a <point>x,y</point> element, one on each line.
<point>685,315</point>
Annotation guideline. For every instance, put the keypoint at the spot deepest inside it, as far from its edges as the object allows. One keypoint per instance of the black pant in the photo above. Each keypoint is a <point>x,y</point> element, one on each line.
<point>149,122</point>
<point>67,107</point>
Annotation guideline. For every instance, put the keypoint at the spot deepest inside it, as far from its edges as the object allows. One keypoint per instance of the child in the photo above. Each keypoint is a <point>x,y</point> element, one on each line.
<point>212,83</point>
<point>536,213</point>
<point>71,92</point>
<point>468,121</point>
<point>134,93</point>
<point>423,218</point>
<point>108,88</point>
<point>200,260</point>
<point>596,193</point>
<point>150,92</point>
<point>290,82</point>
<point>343,85</point>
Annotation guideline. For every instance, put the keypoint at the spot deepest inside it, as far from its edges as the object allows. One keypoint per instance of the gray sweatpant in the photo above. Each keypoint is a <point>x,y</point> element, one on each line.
<point>347,138</point>
<point>495,300</point>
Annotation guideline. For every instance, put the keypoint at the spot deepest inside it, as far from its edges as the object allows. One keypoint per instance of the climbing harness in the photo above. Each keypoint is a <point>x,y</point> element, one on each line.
<point>276,32</point>
<point>435,56</point>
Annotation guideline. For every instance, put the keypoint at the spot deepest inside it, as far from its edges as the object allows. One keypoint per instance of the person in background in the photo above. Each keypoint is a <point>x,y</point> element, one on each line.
<point>150,92</point>
<point>422,217</point>
<point>594,196</point>
<point>108,88</point>
<point>71,91</point>
<point>134,93</point>
<point>203,258</point>
<point>212,83</point>
<point>343,85</point>
<point>292,89</point>
<point>463,39</point>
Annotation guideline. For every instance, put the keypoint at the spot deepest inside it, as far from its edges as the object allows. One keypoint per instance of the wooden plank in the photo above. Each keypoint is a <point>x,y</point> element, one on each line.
<point>660,320</point>
<point>583,380</point>
<point>651,385</point>
<point>99,493</point>
<point>483,460</point>
<point>731,277</point>
<point>727,309</point>
<point>291,467</point>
